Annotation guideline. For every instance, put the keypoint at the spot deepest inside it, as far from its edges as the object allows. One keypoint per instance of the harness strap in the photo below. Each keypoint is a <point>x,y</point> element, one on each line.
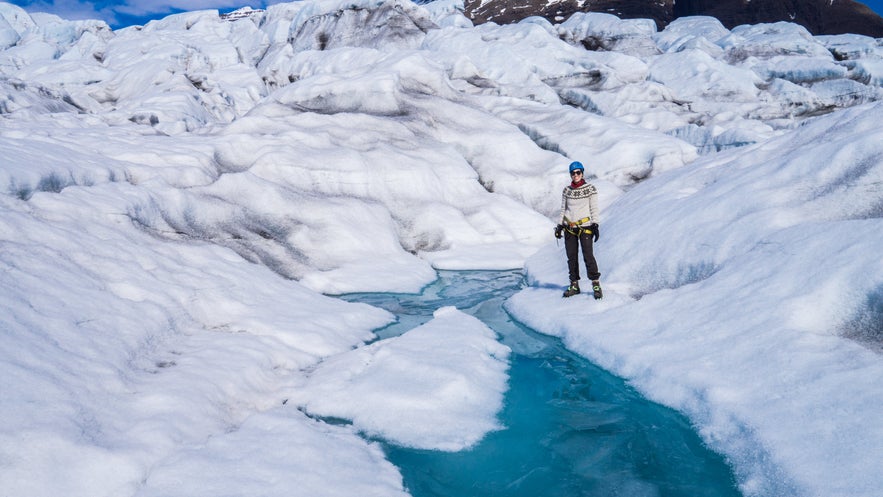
<point>578,230</point>
<point>574,224</point>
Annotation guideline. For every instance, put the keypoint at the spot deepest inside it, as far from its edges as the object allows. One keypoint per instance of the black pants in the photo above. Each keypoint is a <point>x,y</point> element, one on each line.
<point>571,246</point>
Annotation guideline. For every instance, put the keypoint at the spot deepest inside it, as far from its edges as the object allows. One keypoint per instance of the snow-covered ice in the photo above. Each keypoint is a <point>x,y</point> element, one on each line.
<point>177,197</point>
<point>438,386</point>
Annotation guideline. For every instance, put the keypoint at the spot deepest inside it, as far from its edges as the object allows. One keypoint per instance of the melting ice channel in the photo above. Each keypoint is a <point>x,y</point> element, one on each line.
<point>571,429</point>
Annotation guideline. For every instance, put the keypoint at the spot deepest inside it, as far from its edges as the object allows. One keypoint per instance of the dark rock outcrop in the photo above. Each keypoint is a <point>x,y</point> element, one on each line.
<point>509,11</point>
<point>820,17</point>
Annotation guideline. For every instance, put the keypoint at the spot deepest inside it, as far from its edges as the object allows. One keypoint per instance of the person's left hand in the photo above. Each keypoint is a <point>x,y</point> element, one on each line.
<point>595,231</point>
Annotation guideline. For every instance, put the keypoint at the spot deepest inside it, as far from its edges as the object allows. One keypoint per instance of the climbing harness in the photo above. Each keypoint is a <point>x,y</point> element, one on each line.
<point>575,228</point>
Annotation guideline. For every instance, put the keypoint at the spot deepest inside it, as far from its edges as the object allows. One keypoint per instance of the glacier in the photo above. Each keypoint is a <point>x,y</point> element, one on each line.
<point>183,201</point>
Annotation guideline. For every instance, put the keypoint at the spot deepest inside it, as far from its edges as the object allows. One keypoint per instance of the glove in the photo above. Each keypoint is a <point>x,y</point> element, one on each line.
<point>596,231</point>
<point>558,230</point>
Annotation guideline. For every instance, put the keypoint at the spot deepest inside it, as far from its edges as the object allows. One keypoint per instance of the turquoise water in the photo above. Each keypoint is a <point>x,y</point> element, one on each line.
<point>571,429</point>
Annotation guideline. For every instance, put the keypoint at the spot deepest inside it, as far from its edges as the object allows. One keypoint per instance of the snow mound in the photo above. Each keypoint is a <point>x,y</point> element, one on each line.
<point>438,386</point>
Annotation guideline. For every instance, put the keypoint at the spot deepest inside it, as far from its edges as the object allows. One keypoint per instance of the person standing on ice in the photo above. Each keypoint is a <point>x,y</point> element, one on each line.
<point>579,224</point>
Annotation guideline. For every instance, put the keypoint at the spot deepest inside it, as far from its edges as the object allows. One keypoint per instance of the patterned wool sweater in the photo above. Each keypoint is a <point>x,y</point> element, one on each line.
<point>579,205</point>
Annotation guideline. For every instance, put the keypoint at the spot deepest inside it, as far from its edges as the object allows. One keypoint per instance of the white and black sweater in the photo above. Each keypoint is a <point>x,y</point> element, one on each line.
<point>579,205</point>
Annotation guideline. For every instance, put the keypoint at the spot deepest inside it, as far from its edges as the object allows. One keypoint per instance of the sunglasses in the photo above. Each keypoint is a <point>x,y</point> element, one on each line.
<point>576,172</point>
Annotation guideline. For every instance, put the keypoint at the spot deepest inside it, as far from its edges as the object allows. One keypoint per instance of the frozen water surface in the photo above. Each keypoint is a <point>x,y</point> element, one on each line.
<point>570,427</point>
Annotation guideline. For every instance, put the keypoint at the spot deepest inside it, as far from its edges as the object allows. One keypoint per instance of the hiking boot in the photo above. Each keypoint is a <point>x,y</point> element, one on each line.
<point>572,290</point>
<point>596,288</point>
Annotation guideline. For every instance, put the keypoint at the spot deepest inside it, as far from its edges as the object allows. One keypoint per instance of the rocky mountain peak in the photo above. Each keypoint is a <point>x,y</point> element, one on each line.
<point>820,17</point>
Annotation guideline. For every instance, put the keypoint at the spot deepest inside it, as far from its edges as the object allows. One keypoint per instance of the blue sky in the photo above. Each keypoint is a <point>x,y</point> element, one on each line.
<point>121,13</point>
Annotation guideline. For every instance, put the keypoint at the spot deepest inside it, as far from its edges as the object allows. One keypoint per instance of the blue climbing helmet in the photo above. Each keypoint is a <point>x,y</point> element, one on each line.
<point>576,165</point>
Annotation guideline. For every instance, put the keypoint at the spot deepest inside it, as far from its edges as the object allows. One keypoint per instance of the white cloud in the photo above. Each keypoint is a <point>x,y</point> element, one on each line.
<point>116,12</point>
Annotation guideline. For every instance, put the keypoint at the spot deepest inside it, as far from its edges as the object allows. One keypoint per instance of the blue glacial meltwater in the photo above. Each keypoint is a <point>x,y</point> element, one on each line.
<point>571,429</point>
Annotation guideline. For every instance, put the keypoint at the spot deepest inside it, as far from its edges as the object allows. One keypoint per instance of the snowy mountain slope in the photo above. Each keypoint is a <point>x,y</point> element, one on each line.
<point>174,195</point>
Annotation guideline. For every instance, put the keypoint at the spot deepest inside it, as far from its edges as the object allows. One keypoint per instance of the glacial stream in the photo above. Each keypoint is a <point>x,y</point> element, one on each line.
<point>571,429</point>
